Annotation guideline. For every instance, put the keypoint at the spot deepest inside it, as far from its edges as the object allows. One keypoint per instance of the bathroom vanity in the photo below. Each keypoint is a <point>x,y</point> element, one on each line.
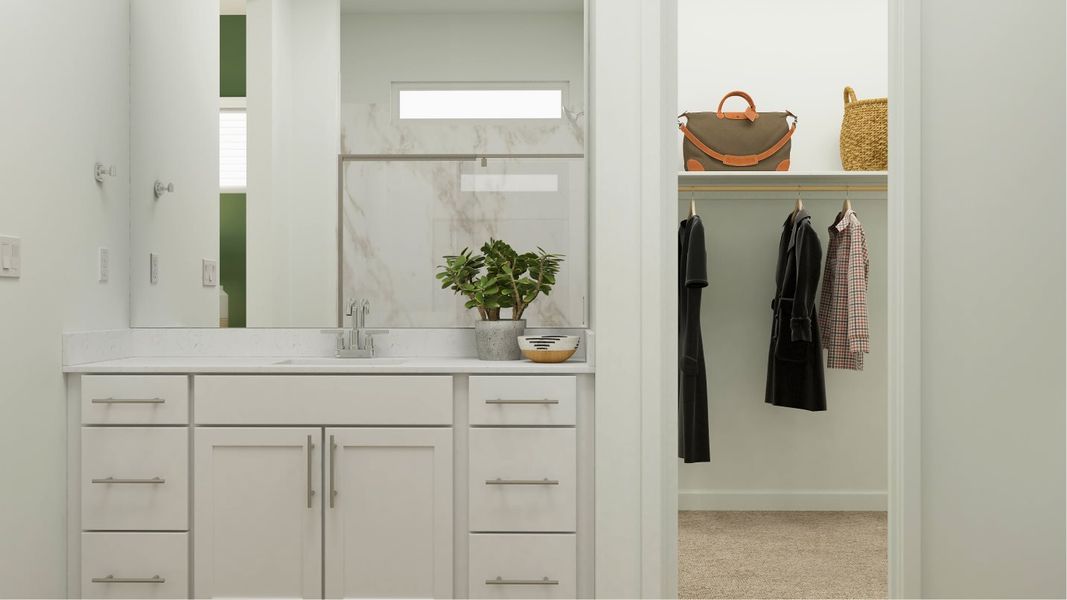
<point>317,477</point>
<point>254,465</point>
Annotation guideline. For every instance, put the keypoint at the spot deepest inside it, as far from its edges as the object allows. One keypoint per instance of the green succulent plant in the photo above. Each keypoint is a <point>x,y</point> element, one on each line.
<point>499,277</point>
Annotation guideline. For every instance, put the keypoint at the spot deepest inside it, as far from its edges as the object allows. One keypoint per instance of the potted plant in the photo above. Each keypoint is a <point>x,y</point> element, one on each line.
<point>499,278</point>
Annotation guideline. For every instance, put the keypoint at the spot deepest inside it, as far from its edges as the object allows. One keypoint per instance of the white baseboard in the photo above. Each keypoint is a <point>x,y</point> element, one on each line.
<point>782,500</point>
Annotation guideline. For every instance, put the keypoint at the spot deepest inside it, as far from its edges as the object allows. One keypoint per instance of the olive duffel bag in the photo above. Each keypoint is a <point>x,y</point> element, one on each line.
<point>747,140</point>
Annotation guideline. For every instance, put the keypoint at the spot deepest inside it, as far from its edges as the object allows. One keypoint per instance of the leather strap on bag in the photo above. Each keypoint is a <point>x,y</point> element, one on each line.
<point>731,160</point>
<point>749,113</point>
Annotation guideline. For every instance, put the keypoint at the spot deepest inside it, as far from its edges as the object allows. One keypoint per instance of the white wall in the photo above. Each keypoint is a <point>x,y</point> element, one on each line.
<point>65,67</point>
<point>765,457</point>
<point>293,125</point>
<point>174,91</point>
<point>635,308</point>
<point>993,299</point>
<point>787,55</point>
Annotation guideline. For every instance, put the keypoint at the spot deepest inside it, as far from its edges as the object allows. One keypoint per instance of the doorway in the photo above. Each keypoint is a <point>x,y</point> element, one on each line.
<point>792,503</point>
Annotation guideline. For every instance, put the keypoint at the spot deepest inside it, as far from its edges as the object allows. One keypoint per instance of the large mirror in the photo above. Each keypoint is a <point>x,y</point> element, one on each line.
<point>321,150</point>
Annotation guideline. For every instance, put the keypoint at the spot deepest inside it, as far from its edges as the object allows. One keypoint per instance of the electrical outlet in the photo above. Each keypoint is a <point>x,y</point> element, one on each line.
<point>103,272</point>
<point>153,268</point>
<point>210,273</point>
<point>10,257</point>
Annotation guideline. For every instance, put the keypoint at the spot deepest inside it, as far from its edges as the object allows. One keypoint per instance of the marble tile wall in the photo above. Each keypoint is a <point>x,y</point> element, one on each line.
<point>400,218</point>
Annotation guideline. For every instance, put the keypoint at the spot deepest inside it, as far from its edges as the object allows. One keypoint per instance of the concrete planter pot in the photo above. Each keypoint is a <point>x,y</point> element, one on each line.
<point>498,340</point>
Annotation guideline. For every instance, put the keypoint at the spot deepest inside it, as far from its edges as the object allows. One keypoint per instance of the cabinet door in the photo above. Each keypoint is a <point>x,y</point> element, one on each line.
<point>258,512</point>
<point>388,513</point>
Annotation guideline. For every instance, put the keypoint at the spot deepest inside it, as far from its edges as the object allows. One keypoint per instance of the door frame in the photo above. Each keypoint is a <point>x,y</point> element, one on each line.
<point>649,419</point>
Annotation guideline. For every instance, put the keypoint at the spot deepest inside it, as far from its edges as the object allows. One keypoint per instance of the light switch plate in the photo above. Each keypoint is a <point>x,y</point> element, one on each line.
<point>210,270</point>
<point>10,257</point>
<point>103,272</point>
<point>153,268</point>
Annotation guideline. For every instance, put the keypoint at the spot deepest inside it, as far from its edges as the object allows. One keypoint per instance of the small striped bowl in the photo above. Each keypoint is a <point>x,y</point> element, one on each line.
<point>548,348</point>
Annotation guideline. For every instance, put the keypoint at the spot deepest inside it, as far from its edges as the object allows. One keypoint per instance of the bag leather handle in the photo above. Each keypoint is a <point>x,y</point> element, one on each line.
<point>732,160</point>
<point>749,113</point>
<point>850,95</point>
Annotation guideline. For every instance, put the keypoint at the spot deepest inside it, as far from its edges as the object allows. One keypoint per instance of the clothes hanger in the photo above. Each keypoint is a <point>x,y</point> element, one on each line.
<point>847,206</point>
<point>692,206</point>
<point>799,206</point>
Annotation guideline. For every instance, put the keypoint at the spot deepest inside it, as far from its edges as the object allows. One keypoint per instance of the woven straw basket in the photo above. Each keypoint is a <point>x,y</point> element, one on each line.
<point>864,133</point>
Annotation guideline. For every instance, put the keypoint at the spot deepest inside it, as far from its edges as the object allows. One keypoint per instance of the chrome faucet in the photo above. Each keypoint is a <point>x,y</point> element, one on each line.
<point>357,341</point>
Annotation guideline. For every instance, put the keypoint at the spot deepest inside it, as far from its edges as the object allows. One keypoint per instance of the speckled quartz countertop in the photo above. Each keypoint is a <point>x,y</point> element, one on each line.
<point>322,365</point>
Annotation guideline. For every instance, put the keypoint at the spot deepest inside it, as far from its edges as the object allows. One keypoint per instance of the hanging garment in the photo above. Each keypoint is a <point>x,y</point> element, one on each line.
<point>794,364</point>
<point>693,439</point>
<point>843,303</point>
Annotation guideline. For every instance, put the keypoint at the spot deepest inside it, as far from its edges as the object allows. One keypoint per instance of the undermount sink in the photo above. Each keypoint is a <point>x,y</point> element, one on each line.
<point>335,361</point>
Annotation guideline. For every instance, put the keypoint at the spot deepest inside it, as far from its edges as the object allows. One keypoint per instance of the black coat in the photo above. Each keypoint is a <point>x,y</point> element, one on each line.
<point>794,363</point>
<point>693,439</point>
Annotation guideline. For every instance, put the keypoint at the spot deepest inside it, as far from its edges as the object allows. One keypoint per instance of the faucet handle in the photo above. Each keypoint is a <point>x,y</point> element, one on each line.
<point>368,334</point>
<point>340,334</point>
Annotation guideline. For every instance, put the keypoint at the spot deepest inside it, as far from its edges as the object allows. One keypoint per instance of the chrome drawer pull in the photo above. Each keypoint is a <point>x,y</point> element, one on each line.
<point>333,461</point>
<point>113,579</point>
<point>311,492</point>
<point>128,400</point>
<point>121,480</point>
<point>501,581</point>
<point>499,481</point>
<point>502,401</point>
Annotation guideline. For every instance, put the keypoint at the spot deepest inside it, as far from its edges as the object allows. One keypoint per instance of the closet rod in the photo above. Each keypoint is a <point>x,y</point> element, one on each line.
<point>782,188</point>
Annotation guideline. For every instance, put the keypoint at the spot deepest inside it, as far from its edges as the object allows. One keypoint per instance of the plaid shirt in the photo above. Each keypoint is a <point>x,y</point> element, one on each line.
<point>843,303</point>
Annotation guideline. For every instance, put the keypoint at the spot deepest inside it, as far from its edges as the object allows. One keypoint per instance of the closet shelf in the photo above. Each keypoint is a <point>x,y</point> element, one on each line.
<point>776,181</point>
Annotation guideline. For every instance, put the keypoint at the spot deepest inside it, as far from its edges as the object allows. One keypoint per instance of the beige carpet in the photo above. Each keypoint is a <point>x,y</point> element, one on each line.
<point>781,554</point>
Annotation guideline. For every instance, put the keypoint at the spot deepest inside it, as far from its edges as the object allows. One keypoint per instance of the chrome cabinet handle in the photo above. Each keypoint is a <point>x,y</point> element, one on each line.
<point>333,459</point>
<point>499,481</point>
<point>501,581</point>
<point>113,579</point>
<point>311,492</point>
<point>123,480</point>
<point>503,401</point>
<point>128,400</point>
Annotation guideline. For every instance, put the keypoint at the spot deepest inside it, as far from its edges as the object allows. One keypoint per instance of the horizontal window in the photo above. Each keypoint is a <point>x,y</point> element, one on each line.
<point>233,149</point>
<point>501,182</point>
<point>480,104</point>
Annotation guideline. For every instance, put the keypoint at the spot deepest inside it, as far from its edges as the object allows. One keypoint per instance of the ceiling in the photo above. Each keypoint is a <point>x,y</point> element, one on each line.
<point>460,6</point>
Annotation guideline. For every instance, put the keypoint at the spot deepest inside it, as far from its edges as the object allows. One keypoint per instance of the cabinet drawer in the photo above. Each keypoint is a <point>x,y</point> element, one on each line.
<point>135,399</point>
<point>323,400</point>
<point>523,400</point>
<point>522,479</point>
<point>523,565</point>
<point>135,478</point>
<point>135,565</point>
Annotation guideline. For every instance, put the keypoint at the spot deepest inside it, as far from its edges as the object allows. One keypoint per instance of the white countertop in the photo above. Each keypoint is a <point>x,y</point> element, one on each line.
<point>322,365</point>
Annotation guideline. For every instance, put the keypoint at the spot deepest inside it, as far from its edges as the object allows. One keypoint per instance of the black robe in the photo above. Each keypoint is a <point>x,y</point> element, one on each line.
<point>693,439</point>
<point>794,363</point>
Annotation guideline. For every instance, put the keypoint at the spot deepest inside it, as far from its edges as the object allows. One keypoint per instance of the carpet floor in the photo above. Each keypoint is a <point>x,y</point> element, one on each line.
<point>781,554</point>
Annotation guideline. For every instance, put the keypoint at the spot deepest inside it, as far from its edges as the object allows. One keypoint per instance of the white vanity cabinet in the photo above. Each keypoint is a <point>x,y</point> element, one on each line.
<point>389,516</point>
<point>131,485</point>
<point>309,485</point>
<point>342,500</point>
<point>257,512</point>
<point>523,487</point>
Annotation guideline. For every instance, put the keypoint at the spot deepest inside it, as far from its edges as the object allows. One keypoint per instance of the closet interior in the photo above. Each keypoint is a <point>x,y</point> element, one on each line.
<point>786,495</point>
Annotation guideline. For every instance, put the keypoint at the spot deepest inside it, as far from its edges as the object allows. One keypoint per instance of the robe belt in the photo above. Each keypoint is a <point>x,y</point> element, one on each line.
<point>776,305</point>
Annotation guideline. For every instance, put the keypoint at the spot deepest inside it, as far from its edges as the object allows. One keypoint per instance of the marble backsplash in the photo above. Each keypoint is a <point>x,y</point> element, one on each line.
<point>94,346</point>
